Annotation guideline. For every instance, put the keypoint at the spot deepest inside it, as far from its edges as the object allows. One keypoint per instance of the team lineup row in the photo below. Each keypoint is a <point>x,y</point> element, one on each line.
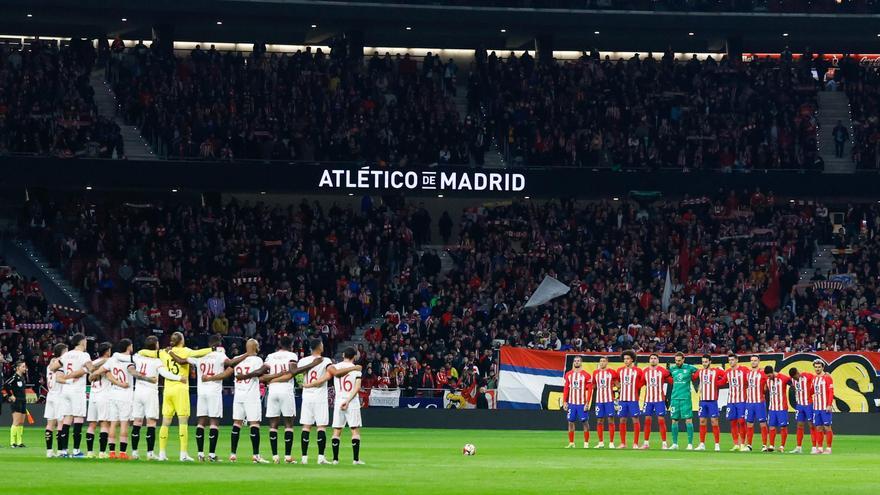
<point>756,399</point>
<point>124,394</point>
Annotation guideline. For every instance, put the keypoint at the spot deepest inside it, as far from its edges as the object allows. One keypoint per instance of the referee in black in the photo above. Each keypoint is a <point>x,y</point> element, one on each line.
<point>13,390</point>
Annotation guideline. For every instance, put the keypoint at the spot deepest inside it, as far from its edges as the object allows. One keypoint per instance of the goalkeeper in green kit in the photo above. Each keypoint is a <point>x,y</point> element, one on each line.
<point>680,405</point>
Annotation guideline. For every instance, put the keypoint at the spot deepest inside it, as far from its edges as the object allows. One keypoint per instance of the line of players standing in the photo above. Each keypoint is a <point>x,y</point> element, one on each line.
<point>124,396</point>
<point>752,393</point>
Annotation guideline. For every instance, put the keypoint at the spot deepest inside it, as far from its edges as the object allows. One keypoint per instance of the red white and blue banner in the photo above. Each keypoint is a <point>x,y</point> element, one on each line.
<point>531,379</point>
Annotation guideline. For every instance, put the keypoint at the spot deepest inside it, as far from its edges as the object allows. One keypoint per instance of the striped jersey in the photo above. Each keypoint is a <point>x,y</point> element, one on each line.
<point>803,389</point>
<point>578,387</point>
<point>656,378</point>
<point>823,391</point>
<point>777,392</point>
<point>631,382</point>
<point>756,380</point>
<point>603,380</point>
<point>709,380</point>
<point>736,380</point>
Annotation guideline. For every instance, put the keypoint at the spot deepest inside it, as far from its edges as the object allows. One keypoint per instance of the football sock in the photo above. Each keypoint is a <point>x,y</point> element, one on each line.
<point>600,431</point>
<point>213,436</point>
<point>200,439</point>
<point>13,430</point>
<point>570,437</point>
<point>356,448</point>
<point>90,441</point>
<point>622,434</point>
<point>304,442</point>
<point>800,435</point>
<point>77,435</point>
<point>741,427</point>
<point>102,441</point>
<point>587,433</point>
<point>716,433</point>
<point>734,432</point>
<point>183,433</point>
<point>636,432</point>
<point>255,439</point>
<point>163,438</point>
<point>135,437</point>
<point>611,427</point>
<point>273,441</point>
<point>123,446</point>
<point>151,438</point>
<point>113,447</point>
<point>234,441</point>
<point>702,433</point>
<point>48,439</point>
<point>662,423</point>
<point>690,433</point>
<point>829,435</point>
<point>648,428</point>
<point>750,434</point>
<point>322,441</point>
<point>784,436</point>
<point>288,442</point>
<point>763,434</point>
<point>675,432</point>
<point>63,438</point>
<point>772,436</point>
<point>334,443</point>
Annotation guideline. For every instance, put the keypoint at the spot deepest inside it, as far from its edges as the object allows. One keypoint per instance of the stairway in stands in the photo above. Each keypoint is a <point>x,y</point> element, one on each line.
<point>834,106</point>
<point>822,262</point>
<point>136,148</point>
<point>357,336</point>
<point>493,157</point>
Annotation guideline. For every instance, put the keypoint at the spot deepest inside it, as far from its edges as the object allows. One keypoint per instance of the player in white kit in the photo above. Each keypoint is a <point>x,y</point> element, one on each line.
<point>347,408</point>
<point>146,397</point>
<point>98,398</point>
<point>52,412</point>
<point>315,411</point>
<point>282,369</point>
<point>75,364</point>
<point>120,371</point>
<point>246,405</point>
<point>210,370</point>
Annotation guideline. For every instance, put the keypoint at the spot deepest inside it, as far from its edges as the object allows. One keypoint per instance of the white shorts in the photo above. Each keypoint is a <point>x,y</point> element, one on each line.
<point>210,405</point>
<point>73,403</point>
<point>98,410</point>
<point>119,410</point>
<point>146,405</point>
<point>315,413</point>
<point>351,417</point>
<point>53,407</point>
<point>249,411</point>
<point>280,404</point>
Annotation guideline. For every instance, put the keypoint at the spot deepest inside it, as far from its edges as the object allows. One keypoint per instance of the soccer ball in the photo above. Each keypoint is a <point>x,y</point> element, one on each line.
<point>469,449</point>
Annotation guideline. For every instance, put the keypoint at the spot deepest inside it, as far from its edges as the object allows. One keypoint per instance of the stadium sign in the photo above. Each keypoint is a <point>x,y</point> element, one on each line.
<point>421,180</point>
<point>532,379</point>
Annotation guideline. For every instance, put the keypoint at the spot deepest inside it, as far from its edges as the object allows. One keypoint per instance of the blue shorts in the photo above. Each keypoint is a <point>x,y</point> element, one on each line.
<point>778,418</point>
<point>756,412</point>
<point>577,412</point>
<point>605,410</point>
<point>736,410</point>
<point>803,413</point>
<point>821,418</point>
<point>708,409</point>
<point>629,409</point>
<point>654,409</point>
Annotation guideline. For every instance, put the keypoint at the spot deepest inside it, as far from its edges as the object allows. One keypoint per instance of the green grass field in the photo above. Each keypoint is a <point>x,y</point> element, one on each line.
<point>430,461</point>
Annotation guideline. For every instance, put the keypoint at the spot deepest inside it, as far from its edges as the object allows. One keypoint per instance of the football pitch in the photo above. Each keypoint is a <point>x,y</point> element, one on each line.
<point>430,461</point>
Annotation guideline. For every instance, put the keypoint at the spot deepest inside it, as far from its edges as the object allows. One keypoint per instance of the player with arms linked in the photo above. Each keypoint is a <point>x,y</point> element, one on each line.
<point>576,392</point>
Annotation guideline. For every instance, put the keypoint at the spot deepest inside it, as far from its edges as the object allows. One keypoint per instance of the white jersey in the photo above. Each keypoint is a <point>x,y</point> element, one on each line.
<point>318,393</point>
<point>247,390</point>
<point>210,364</point>
<point>52,384</point>
<point>120,367</point>
<point>98,388</point>
<point>147,366</point>
<point>279,362</point>
<point>345,384</point>
<point>71,362</point>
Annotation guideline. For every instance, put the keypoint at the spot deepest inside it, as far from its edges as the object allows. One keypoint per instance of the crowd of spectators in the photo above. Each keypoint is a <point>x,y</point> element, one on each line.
<point>47,103</point>
<point>864,99</point>
<point>647,113</point>
<point>305,106</point>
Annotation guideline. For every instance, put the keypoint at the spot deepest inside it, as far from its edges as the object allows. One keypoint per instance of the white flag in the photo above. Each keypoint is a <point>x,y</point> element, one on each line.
<point>667,292</point>
<point>549,289</point>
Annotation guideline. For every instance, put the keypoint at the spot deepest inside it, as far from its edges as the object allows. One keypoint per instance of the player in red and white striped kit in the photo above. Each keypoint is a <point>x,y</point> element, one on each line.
<point>576,392</point>
<point>803,396</point>
<point>709,380</point>
<point>777,397</point>
<point>656,379</point>
<point>823,404</point>
<point>604,379</point>
<point>631,381</point>
<point>736,382</point>
<point>756,409</point>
